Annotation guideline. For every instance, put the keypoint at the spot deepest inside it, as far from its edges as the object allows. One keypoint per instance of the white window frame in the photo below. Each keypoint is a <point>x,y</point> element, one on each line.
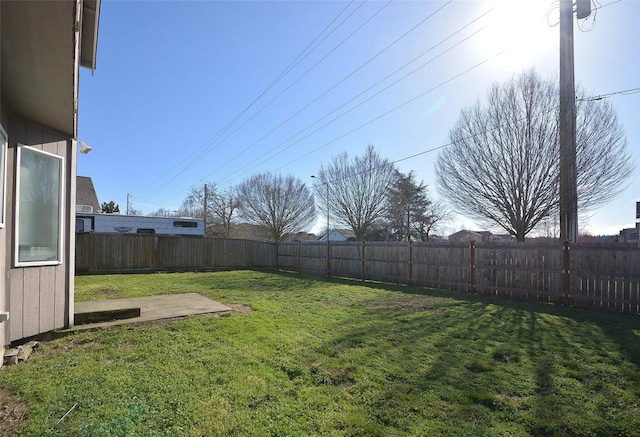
<point>61,215</point>
<point>4,143</point>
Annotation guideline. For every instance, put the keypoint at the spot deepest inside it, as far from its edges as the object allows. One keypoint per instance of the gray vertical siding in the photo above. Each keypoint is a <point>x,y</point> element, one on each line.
<point>3,291</point>
<point>38,296</point>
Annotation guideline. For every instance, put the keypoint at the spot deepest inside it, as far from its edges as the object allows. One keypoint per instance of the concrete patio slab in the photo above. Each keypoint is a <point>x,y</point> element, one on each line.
<point>151,308</point>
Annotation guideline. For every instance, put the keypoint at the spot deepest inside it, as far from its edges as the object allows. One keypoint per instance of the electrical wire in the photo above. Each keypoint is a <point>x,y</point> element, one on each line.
<point>443,146</point>
<point>352,108</point>
<point>482,132</point>
<point>306,52</point>
<point>384,114</point>
<point>402,105</point>
<point>335,85</point>
<point>281,93</point>
<point>625,92</point>
<point>374,119</point>
<point>214,146</point>
<point>349,101</point>
<point>606,96</point>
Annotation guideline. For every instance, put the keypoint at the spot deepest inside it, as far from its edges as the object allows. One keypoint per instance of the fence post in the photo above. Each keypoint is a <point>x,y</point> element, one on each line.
<point>472,270</point>
<point>565,273</point>
<point>410,262</point>
<point>328,256</point>
<point>277,255</point>
<point>92,258</point>
<point>363,277</point>
<point>203,264</point>
<point>154,261</point>
<point>299,258</point>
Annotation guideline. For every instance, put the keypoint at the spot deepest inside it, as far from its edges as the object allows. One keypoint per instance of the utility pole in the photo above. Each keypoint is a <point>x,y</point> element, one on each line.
<point>204,211</point>
<point>568,171</point>
<point>128,202</point>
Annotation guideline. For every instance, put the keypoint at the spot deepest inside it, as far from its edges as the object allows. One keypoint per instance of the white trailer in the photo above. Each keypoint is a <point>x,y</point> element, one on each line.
<point>138,224</point>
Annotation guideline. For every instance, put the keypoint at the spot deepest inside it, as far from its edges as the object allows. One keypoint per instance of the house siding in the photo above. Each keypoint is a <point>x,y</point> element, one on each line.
<point>37,296</point>
<point>3,290</point>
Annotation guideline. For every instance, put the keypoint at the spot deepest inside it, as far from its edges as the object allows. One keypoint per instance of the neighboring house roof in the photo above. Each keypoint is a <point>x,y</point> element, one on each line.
<point>302,237</point>
<point>503,238</point>
<point>86,193</point>
<point>465,236</point>
<point>629,235</point>
<point>339,235</point>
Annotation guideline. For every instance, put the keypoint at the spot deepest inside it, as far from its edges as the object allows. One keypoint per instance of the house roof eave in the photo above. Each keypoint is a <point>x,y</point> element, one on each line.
<point>40,59</point>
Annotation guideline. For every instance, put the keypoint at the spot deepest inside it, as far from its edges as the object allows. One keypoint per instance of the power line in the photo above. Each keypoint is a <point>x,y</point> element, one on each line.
<point>359,104</point>
<point>433,149</point>
<point>342,80</point>
<point>387,112</point>
<point>606,96</point>
<point>391,110</point>
<point>282,92</point>
<point>211,148</point>
<point>369,98</point>
<point>482,132</point>
<point>306,52</point>
<point>336,85</point>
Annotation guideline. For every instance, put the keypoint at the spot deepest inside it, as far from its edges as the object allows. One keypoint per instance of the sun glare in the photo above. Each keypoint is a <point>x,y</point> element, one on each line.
<point>517,31</point>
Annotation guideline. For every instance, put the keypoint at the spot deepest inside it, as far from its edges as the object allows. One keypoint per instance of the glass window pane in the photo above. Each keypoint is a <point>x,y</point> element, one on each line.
<point>39,206</point>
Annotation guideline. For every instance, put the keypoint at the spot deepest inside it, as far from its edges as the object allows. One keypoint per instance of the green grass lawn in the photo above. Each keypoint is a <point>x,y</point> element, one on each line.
<point>334,357</point>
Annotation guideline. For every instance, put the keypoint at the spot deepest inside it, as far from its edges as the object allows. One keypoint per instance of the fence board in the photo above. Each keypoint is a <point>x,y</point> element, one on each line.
<point>386,261</point>
<point>180,253</point>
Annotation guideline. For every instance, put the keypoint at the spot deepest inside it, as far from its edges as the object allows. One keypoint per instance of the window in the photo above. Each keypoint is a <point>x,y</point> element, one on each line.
<point>39,207</point>
<point>146,231</point>
<point>184,224</point>
<point>3,166</point>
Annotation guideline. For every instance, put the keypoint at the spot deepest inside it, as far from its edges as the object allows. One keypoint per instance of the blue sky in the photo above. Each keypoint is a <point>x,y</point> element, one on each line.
<point>211,91</point>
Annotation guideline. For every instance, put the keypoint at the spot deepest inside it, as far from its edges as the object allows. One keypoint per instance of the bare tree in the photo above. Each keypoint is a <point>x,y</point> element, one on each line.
<point>502,164</point>
<point>282,204</point>
<point>221,208</point>
<point>430,219</point>
<point>193,204</point>
<point>163,212</point>
<point>357,188</point>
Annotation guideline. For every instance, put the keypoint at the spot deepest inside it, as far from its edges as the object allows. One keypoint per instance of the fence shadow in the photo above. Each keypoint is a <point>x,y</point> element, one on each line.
<point>448,344</point>
<point>620,328</point>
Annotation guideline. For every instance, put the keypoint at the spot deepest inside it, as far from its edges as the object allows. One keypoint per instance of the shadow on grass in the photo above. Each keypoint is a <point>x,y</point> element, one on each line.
<point>618,327</point>
<point>555,370</point>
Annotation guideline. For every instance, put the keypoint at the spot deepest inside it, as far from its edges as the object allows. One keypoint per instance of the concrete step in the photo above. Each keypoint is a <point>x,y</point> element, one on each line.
<point>106,315</point>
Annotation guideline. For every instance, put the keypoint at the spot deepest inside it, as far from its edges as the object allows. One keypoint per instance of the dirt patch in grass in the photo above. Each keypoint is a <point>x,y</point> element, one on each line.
<point>332,376</point>
<point>237,308</point>
<point>12,412</point>
<point>110,293</point>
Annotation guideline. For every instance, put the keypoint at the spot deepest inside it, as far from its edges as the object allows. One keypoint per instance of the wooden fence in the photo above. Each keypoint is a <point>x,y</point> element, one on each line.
<point>583,275</point>
<point>120,253</point>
